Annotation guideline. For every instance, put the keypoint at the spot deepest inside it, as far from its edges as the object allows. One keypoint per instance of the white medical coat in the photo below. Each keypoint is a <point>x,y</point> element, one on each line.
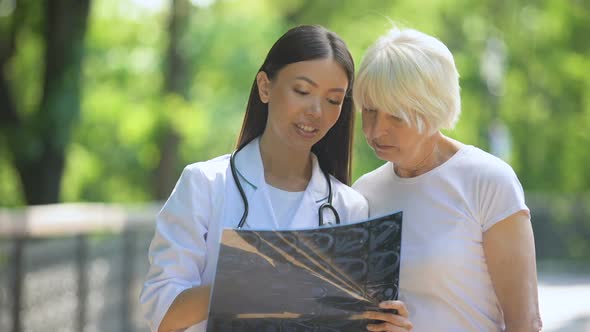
<point>185,247</point>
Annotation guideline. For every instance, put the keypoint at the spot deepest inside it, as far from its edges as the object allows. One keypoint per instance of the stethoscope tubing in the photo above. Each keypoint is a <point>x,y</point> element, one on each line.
<point>327,205</point>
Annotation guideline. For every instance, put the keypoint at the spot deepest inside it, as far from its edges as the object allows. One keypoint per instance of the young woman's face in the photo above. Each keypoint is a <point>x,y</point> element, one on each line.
<point>304,101</point>
<point>392,138</point>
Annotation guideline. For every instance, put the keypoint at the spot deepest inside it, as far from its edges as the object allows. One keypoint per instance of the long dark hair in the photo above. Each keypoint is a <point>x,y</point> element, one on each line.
<point>304,43</point>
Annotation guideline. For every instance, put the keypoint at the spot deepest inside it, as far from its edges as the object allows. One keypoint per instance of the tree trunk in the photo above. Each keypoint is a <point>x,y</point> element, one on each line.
<point>8,114</point>
<point>39,143</point>
<point>176,82</point>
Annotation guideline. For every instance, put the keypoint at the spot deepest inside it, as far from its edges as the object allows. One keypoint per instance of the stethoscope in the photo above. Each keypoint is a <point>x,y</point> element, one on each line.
<point>327,205</point>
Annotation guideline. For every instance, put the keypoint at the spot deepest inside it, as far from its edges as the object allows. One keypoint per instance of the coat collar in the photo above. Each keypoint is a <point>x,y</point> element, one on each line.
<point>251,170</point>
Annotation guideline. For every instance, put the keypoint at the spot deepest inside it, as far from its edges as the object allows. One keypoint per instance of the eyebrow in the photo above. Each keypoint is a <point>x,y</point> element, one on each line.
<point>310,81</point>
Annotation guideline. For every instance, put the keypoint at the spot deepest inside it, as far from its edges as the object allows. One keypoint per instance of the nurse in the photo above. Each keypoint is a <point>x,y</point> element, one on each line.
<point>298,124</point>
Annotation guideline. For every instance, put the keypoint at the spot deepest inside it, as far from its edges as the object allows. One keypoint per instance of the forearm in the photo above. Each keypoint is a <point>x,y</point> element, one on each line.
<point>518,296</point>
<point>189,308</point>
<point>523,315</point>
<point>510,254</point>
<point>533,325</point>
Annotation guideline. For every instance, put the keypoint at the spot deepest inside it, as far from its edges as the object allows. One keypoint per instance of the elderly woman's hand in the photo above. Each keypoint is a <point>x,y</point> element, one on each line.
<point>391,322</point>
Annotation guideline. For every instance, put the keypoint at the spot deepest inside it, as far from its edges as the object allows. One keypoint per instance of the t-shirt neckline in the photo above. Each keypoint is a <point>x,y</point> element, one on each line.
<point>432,172</point>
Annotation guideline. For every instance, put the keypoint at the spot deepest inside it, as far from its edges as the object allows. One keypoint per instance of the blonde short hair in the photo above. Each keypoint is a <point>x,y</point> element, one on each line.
<point>410,75</point>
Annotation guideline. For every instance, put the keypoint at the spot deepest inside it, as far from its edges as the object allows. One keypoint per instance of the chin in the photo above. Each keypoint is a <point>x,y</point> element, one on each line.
<point>300,145</point>
<point>386,157</point>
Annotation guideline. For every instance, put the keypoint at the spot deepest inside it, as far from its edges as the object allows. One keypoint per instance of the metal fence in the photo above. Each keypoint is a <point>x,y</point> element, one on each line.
<point>73,267</point>
<point>79,267</point>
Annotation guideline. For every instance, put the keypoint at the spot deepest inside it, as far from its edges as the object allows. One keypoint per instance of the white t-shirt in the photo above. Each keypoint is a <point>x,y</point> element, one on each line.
<point>444,280</point>
<point>284,204</point>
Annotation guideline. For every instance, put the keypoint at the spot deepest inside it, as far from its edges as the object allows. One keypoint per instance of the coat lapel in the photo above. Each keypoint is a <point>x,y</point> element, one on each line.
<point>261,214</point>
<point>251,173</point>
<point>315,195</point>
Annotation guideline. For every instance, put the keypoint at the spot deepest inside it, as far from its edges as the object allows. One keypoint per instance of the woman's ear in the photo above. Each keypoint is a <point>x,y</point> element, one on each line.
<point>263,86</point>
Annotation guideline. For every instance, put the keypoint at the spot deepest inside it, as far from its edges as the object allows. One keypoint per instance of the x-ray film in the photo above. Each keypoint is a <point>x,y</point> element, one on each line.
<point>305,280</point>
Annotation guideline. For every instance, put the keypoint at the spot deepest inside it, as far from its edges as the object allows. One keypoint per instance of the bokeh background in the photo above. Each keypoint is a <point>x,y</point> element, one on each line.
<point>105,101</point>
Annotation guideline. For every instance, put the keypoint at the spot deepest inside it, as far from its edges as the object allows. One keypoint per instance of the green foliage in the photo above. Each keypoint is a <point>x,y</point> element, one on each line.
<point>545,96</point>
<point>115,149</point>
<point>10,191</point>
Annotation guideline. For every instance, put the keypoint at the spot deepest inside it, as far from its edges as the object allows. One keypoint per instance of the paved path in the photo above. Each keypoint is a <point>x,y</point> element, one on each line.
<point>564,302</point>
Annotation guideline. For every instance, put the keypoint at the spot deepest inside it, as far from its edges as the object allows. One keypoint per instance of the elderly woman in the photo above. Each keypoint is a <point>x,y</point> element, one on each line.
<point>468,255</point>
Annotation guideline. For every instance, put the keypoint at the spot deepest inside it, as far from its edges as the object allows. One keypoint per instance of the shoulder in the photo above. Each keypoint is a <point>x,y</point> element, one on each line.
<point>207,170</point>
<point>349,195</point>
<point>371,180</point>
<point>350,202</point>
<point>347,192</point>
<point>199,182</point>
<point>485,166</point>
<point>494,188</point>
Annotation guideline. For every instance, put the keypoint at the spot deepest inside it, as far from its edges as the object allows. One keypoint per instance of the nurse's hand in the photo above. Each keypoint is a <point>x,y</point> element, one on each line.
<point>390,322</point>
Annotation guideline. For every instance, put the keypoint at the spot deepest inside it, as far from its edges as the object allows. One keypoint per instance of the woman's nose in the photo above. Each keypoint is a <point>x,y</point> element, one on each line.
<point>315,107</point>
<point>378,126</point>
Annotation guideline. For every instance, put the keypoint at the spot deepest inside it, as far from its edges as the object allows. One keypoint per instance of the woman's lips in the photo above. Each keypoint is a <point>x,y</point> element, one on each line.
<point>382,147</point>
<point>306,130</point>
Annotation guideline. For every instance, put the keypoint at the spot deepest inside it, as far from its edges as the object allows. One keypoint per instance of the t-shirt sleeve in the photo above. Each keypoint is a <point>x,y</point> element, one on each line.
<point>501,195</point>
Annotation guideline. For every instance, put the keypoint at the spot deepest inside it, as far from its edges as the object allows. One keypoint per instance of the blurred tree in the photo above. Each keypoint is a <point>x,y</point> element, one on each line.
<point>157,98</point>
<point>38,140</point>
<point>176,84</point>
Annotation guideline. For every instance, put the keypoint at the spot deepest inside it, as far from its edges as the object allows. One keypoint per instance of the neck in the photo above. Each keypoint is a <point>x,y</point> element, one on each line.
<point>430,157</point>
<point>285,168</point>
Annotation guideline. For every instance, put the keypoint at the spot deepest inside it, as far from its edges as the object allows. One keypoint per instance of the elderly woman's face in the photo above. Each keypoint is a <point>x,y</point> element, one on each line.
<point>392,138</point>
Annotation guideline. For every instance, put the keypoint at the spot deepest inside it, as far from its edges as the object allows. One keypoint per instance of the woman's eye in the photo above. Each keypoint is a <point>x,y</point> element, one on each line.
<point>301,92</point>
<point>334,101</point>
<point>369,110</point>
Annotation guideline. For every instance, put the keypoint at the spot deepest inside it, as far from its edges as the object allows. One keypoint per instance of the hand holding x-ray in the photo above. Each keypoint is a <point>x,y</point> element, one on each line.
<point>301,280</point>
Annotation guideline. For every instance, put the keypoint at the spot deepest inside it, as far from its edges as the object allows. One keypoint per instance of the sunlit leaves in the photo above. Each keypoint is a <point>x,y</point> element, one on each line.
<point>545,101</point>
